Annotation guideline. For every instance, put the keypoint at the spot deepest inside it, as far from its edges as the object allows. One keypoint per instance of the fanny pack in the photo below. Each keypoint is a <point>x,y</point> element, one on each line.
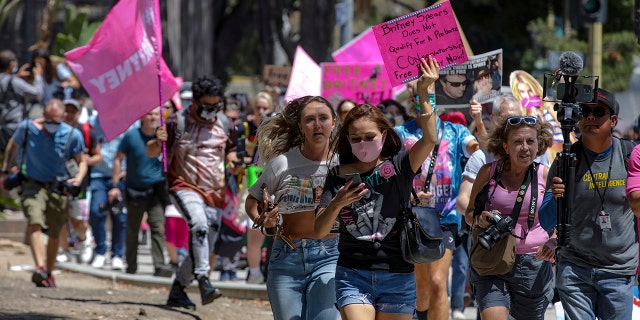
<point>134,194</point>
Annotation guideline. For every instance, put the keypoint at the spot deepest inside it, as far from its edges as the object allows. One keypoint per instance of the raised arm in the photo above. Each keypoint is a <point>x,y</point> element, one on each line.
<point>426,119</point>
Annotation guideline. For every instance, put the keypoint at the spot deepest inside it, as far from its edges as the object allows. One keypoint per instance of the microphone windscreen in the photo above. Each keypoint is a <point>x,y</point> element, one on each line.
<point>570,63</point>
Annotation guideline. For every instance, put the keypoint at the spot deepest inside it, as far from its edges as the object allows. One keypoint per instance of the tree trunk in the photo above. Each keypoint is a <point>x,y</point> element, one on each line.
<point>317,22</point>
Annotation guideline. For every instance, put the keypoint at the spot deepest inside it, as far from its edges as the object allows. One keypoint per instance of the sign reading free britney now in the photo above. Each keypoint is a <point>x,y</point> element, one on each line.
<point>404,41</point>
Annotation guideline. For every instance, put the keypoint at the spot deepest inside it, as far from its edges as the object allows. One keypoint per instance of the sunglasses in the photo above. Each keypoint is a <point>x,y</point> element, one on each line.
<point>211,107</point>
<point>597,112</point>
<point>456,84</point>
<point>514,121</point>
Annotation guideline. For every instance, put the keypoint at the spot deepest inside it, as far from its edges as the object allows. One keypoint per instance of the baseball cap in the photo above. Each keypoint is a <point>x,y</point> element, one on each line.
<point>73,102</point>
<point>608,99</point>
<point>454,117</point>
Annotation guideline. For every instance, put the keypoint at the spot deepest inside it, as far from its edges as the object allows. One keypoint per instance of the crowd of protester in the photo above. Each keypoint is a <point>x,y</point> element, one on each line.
<point>249,175</point>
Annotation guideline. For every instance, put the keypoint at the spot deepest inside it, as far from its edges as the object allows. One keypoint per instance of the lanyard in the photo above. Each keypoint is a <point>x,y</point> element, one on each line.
<point>593,180</point>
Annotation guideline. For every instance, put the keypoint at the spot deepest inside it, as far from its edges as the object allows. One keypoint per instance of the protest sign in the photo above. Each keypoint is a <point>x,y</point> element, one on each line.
<point>362,48</point>
<point>360,82</point>
<point>432,31</point>
<point>120,73</point>
<point>479,78</point>
<point>305,77</point>
<point>276,75</point>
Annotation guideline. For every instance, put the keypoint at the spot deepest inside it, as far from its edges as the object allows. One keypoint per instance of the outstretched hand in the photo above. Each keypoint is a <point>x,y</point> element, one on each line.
<point>430,70</point>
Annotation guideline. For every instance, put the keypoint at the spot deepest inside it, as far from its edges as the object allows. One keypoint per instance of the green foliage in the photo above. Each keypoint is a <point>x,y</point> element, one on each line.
<point>618,49</point>
<point>6,8</point>
<point>77,30</point>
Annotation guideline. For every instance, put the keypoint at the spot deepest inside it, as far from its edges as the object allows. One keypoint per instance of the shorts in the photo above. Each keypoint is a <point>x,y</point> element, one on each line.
<point>42,207</point>
<point>387,292</point>
<point>450,232</point>
<point>79,209</point>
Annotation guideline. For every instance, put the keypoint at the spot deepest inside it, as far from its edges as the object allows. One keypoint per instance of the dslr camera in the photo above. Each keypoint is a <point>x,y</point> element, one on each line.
<point>63,187</point>
<point>501,227</point>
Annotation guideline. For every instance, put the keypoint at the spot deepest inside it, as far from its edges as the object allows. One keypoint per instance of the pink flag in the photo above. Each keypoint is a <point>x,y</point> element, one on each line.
<point>118,66</point>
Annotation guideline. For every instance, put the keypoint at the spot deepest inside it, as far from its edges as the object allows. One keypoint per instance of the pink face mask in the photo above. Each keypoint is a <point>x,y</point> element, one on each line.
<point>531,102</point>
<point>367,151</point>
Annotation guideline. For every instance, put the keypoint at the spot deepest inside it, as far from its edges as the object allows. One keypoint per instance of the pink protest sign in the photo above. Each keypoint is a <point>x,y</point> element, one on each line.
<point>121,73</point>
<point>362,48</point>
<point>305,77</point>
<point>432,31</point>
<point>361,82</point>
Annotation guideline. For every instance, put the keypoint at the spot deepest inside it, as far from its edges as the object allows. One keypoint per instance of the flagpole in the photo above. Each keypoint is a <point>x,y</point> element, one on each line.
<point>155,51</point>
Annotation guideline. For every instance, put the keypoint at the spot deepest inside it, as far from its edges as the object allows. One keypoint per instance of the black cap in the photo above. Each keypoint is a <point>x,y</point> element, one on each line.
<point>608,99</point>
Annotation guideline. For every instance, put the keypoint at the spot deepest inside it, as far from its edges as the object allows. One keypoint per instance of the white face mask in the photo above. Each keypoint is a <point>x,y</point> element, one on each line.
<point>398,120</point>
<point>207,115</point>
<point>51,127</point>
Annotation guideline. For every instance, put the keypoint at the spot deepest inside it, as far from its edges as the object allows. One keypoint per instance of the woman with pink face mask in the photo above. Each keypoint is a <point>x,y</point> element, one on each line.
<point>363,194</point>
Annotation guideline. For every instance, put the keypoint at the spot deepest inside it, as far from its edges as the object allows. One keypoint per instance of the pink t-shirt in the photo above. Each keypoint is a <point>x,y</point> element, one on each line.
<point>633,178</point>
<point>504,200</point>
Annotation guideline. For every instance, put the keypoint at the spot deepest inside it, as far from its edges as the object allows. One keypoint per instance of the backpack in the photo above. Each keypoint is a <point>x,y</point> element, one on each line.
<point>180,124</point>
<point>626,144</point>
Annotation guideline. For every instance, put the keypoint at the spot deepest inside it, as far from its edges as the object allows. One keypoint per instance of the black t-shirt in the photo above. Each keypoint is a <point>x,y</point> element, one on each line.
<point>369,228</point>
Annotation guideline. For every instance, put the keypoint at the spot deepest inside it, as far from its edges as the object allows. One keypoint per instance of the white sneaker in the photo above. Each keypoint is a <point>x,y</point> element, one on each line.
<point>457,315</point>
<point>85,249</point>
<point>64,256</point>
<point>117,264</point>
<point>255,278</point>
<point>98,261</point>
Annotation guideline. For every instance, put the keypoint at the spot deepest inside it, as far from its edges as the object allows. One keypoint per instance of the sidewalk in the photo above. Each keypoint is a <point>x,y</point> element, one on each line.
<point>144,277</point>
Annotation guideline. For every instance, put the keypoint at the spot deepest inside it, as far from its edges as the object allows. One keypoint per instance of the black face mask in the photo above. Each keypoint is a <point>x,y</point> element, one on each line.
<point>208,111</point>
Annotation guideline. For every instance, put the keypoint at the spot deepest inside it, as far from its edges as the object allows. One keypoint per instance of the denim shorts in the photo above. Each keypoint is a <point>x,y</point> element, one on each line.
<point>526,290</point>
<point>450,232</point>
<point>387,292</point>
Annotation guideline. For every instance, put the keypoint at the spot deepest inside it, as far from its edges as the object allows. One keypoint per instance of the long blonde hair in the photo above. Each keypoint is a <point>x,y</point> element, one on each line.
<point>281,132</point>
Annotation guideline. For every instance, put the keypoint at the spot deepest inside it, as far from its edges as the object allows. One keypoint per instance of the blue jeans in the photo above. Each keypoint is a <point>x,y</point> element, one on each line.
<point>587,293</point>
<point>459,266</point>
<point>301,283</point>
<point>98,210</point>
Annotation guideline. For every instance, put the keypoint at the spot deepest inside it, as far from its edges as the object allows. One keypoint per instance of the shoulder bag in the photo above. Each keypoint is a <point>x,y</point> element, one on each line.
<point>421,234</point>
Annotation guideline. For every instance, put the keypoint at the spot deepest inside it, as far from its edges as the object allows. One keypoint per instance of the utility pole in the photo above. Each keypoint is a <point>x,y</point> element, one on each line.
<point>594,57</point>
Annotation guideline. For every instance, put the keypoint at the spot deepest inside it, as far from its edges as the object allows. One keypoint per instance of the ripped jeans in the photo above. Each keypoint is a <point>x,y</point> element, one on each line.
<point>204,224</point>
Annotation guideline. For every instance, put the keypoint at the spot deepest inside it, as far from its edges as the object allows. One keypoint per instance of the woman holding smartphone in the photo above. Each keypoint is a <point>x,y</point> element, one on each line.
<point>372,279</point>
<point>295,143</point>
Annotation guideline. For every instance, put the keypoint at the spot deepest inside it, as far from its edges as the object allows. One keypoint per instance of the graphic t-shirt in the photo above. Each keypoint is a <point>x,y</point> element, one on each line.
<point>447,173</point>
<point>295,182</point>
<point>369,232</point>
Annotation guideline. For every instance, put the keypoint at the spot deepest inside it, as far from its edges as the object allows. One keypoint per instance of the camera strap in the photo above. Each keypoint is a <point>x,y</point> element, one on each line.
<point>531,178</point>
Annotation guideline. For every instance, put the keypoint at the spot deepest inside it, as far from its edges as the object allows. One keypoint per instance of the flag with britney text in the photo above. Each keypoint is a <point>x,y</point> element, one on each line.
<point>118,67</point>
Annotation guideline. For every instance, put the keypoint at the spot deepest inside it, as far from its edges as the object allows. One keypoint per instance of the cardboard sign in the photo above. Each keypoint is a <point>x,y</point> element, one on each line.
<point>432,31</point>
<point>305,77</point>
<point>360,82</point>
<point>273,75</point>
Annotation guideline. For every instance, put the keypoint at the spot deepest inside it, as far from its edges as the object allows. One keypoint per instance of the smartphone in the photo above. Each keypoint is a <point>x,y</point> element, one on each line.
<point>355,177</point>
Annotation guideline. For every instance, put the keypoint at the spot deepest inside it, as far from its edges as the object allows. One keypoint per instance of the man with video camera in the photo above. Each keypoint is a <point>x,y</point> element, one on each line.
<point>596,266</point>
<point>48,148</point>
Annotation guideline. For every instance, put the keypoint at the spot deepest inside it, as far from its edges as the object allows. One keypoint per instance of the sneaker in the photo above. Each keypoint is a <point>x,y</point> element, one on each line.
<point>85,249</point>
<point>51,281</point>
<point>208,293</point>
<point>40,278</point>
<point>255,279</point>
<point>64,256</point>
<point>457,315</point>
<point>178,297</point>
<point>98,261</point>
<point>116,263</point>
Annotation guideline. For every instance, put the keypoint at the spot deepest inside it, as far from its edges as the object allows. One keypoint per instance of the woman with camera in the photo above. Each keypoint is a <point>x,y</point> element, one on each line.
<point>508,193</point>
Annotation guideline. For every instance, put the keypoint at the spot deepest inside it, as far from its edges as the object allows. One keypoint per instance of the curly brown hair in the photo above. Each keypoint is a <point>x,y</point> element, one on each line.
<point>501,130</point>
